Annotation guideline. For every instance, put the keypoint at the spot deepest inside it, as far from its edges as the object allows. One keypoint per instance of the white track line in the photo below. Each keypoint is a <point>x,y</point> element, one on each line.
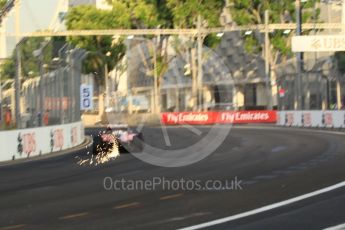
<point>338,227</point>
<point>266,208</point>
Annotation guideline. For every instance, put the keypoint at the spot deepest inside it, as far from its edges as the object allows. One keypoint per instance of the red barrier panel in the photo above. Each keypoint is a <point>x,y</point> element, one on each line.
<point>229,117</point>
<point>238,117</point>
<point>192,118</point>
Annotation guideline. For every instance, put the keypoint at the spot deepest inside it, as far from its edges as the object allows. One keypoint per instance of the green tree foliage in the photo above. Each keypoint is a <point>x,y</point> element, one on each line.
<point>88,17</point>
<point>137,14</point>
<point>30,63</point>
<point>2,3</point>
<point>103,49</point>
<point>165,16</point>
<point>185,13</point>
<point>245,12</point>
<point>7,70</point>
<point>340,61</point>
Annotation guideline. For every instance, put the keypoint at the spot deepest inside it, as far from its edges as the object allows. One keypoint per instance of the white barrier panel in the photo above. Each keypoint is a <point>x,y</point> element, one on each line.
<point>321,119</point>
<point>25,143</point>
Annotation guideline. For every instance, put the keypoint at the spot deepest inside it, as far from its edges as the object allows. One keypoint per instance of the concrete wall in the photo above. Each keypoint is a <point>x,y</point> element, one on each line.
<point>317,119</point>
<point>25,143</point>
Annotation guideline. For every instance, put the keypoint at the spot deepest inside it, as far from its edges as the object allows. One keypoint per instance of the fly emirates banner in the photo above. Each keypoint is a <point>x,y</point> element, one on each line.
<point>229,117</point>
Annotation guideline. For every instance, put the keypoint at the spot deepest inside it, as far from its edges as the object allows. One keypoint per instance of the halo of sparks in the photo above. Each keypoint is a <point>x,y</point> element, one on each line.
<point>103,155</point>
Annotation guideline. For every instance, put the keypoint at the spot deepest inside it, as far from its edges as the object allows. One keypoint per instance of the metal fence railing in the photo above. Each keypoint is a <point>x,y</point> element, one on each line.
<point>50,99</point>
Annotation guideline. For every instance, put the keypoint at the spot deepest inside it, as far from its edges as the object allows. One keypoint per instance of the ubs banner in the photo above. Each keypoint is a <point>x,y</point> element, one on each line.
<point>229,117</point>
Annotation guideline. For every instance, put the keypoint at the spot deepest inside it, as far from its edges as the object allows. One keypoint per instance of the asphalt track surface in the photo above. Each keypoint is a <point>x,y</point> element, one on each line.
<point>270,164</point>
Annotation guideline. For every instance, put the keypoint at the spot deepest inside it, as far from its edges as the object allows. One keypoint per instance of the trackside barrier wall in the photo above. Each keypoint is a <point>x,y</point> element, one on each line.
<point>25,143</point>
<point>317,119</point>
<point>221,117</point>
